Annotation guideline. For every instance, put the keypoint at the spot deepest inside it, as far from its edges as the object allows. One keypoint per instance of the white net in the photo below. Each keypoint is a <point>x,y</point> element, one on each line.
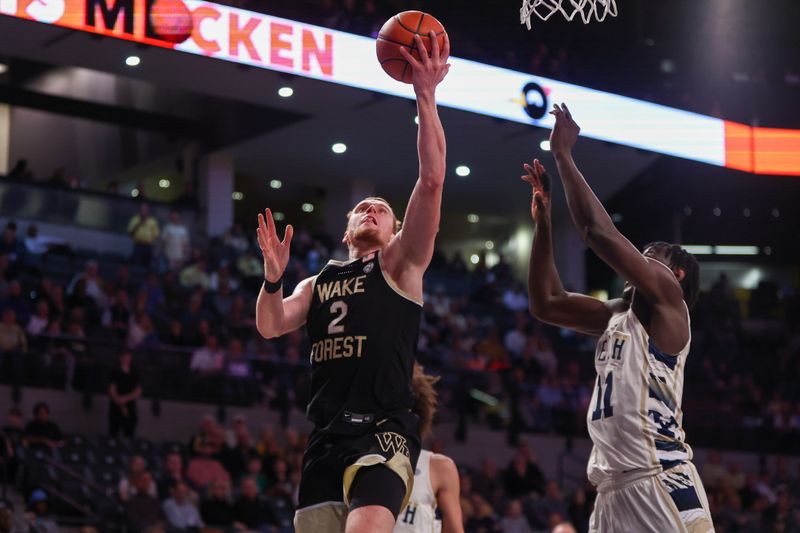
<point>587,9</point>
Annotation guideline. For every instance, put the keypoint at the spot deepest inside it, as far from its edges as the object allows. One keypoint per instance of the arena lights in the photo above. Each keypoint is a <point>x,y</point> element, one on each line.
<point>416,120</point>
<point>135,193</point>
<point>285,92</point>
<point>133,61</point>
<point>259,40</point>
<point>489,245</point>
<point>474,259</point>
<point>278,215</point>
<point>275,184</point>
<point>545,145</point>
<point>472,218</point>
<point>307,208</point>
<point>164,184</point>
<point>236,195</point>
<point>3,68</point>
<point>339,148</point>
<point>462,170</point>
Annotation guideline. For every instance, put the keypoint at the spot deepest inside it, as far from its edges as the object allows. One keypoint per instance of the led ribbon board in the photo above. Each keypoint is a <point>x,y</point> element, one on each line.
<point>274,43</point>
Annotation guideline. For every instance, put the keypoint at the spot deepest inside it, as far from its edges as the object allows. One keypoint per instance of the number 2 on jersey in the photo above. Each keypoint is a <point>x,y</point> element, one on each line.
<point>334,327</point>
<point>603,407</point>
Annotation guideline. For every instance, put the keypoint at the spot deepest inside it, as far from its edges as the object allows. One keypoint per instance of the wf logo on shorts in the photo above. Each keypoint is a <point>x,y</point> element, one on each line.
<point>391,442</point>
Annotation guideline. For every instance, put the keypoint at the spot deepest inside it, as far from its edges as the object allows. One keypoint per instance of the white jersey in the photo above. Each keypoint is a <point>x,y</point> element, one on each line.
<point>635,417</point>
<point>420,514</point>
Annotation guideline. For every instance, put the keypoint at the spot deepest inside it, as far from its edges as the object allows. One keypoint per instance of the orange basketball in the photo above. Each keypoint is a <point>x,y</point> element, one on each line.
<point>399,32</point>
<point>171,20</point>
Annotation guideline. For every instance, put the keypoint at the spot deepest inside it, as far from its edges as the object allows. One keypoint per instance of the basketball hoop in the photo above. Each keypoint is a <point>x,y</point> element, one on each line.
<point>588,9</point>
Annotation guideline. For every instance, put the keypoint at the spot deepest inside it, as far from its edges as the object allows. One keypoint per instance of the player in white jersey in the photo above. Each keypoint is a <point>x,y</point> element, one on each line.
<point>436,484</point>
<point>640,463</point>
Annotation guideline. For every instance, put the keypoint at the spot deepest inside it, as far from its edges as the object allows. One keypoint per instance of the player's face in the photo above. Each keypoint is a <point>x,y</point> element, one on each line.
<point>371,221</point>
<point>650,253</point>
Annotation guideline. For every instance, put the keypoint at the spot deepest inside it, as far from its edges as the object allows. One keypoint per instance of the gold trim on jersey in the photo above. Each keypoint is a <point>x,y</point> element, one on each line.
<point>394,286</point>
<point>399,463</point>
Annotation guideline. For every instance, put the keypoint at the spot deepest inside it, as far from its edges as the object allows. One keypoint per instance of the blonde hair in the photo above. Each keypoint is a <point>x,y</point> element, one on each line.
<point>426,399</point>
<point>397,223</point>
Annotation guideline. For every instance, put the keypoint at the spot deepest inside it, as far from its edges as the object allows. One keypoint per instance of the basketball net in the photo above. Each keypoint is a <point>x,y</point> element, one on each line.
<point>588,9</point>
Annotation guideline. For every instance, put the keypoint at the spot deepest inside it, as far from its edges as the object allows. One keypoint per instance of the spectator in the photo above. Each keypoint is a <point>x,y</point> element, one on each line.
<point>209,359</point>
<point>143,228</point>
<point>17,301</point>
<point>10,246</point>
<point>181,512</point>
<point>37,244</point>
<point>13,347</point>
<point>223,278</point>
<point>173,472</point>
<point>142,332</point>
<point>142,509</point>
<point>128,486</point>
<point>123,391</point>
<point>236,240</point>
<point>714,472</point>
<point>195,275</point>
<point>251,509</point>
<point>522,477</point>
<point>203,469</point>
<point>40,520</point>
<point>542,509</point>
<point>38,322</point>
<point>516,339</point>
<point>515,298</point>
<point>118,316</point>
<point>94,286</point>
<point>564,527</point>
<point>217,509</point>
<point>176,241</point>
<point>41,431</point>
<point>514,521</point>
<point>580,509</point>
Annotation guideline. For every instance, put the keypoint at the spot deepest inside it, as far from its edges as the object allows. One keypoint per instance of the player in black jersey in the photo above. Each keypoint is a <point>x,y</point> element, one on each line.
<point>362,318</point>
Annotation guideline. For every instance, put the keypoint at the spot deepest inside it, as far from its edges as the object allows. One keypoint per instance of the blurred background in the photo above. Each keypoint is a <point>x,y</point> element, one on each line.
<point>135,389</point>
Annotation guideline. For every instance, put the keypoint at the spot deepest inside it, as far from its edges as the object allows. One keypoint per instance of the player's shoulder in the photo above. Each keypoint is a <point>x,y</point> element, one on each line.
<point>443,466</point>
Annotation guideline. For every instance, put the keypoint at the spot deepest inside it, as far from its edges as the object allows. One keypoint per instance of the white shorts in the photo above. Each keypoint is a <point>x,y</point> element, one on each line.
<point>672,501</point>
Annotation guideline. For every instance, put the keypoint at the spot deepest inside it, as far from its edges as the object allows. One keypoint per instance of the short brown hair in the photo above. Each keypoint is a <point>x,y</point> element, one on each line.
<point>397,223</point>
<point>426,399</point>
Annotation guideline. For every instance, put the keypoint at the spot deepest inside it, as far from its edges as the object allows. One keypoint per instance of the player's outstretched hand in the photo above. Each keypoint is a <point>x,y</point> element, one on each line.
<point>276,252</point>
<point>539,180</point>
<point>432,66</point>
<point>565,132</point>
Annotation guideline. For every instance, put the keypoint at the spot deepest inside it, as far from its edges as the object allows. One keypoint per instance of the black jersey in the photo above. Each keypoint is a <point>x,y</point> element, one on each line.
<point>363,332</point>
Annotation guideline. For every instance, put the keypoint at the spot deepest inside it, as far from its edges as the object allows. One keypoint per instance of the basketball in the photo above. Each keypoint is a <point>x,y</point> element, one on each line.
<point>399,32</point>
<point>172,20</point>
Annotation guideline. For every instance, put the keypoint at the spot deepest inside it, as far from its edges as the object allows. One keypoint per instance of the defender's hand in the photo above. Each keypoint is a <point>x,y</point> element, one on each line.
<point>432,66</point>
<point>565,132</point>
<point>276,252</point>
<point>539,180</point>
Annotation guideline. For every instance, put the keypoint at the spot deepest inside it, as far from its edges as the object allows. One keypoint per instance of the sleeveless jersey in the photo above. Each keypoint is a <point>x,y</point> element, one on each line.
<point>635,417</point>
<point>420,514</point>
<point>363,331</point>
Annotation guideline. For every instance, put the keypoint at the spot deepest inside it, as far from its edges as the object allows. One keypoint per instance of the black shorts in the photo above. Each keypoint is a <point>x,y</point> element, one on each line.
<point>331,461</point>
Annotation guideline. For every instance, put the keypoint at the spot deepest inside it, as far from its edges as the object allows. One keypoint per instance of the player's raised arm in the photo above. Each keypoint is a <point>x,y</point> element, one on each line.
<point>655,282</point>
<point>448,493</point>
<point>276,315</point>
<point>548,300</point>
<point>421,223</point>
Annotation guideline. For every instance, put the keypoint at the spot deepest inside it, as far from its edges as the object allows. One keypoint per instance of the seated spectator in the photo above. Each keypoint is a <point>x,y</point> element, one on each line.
<point>514,521</point>
<point>251,269</point>
<point>203,469</point>
<point>195,275</point>
<point>142,509</point>
<point>523,477</point>
<point>236,239</point>
<point>251,509</point>
<point>40,521</point>
<point>208,359</point>
<point>222,278</point>
<point>142,332</point>
<point>181,512</point>
<point>17,300</point>
<point>173,472</point>
<point>541,509</point>
<point>515,298</point>
<point>94,286</point>
<point>176,241</point>
<point>10,245</point>
<point>118,316</point>
<point>13,347</point>
<point>38,322</point>
<point>216,509</point>
<point>41,431</point>
<point>38,244</point>
<point>128,487</point>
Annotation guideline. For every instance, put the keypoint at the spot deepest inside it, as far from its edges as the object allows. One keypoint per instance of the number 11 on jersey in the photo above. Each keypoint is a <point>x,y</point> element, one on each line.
<point>603,407</point>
